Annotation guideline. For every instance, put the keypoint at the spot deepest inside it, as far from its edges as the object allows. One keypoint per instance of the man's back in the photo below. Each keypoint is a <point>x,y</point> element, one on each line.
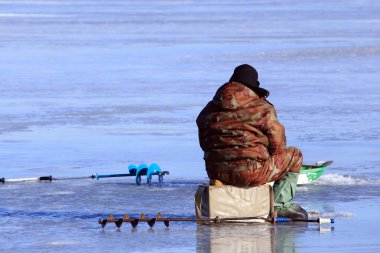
<point>238,125</point>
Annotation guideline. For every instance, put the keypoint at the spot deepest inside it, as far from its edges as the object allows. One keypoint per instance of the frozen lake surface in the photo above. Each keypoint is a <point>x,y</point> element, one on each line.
<point>92,86</point>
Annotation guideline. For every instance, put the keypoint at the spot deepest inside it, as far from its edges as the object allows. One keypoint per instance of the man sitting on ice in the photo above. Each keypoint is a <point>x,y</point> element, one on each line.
<point>244,144</point>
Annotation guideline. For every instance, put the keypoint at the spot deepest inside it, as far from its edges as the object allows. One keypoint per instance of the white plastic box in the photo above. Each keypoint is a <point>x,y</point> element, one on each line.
<point>234,202</point>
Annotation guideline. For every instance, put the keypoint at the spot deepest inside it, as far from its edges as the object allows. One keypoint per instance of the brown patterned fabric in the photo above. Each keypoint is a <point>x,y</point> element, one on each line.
<point>244,144</point>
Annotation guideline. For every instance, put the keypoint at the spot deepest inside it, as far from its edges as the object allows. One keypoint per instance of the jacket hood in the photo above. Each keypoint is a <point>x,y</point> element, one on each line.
<point>233,95</point>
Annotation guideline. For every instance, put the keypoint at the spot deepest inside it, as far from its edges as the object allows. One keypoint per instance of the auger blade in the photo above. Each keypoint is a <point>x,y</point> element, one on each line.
<point>134,223</point>
<point>151,222</point>
<point>103,223</point>
<point>160,218</point>
<point>118,223</point>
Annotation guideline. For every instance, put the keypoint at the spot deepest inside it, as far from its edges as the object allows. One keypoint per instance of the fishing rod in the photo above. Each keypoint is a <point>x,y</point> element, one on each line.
<point>318,165</point>
<point>44,178</point>
<point>134,171</point>
<point>152,221</point>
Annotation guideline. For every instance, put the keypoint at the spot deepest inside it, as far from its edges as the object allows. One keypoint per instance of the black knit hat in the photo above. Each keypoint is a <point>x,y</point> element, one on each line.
<point>247,75</point>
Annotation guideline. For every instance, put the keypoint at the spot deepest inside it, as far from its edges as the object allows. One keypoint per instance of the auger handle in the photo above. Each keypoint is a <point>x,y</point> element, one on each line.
<point>326,221</point>
<point>97,176</point>
<point>46,178</point>
<point>320,220</point>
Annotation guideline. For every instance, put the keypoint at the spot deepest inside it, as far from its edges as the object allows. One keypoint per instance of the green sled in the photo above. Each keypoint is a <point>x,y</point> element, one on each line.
<point>310,173</point>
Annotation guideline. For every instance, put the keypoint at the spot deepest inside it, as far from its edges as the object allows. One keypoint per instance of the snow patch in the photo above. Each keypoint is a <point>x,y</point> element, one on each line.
<point>63,242</point>
<point>30,15</point>
<point>338,214</point>
<point>336,179</point>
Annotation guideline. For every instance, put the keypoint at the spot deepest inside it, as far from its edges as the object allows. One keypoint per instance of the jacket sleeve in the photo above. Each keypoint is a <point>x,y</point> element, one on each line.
<point>275,133</point>
<point>200,135</point>
<point>202,123</point>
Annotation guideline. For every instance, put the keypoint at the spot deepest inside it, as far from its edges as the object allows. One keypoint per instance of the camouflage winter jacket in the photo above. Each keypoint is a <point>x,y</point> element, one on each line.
<point>237,128</point>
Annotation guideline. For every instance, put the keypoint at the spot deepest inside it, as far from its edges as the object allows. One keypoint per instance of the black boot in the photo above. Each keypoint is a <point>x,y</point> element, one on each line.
<point>284,190</point>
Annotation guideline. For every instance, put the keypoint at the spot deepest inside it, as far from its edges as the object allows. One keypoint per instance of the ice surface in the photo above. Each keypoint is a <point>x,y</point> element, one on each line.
<point>91,86</point>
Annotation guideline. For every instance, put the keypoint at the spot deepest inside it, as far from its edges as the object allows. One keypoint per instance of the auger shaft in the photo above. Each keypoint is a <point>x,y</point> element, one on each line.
<point>51,178</point>
<point>152,221</point>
